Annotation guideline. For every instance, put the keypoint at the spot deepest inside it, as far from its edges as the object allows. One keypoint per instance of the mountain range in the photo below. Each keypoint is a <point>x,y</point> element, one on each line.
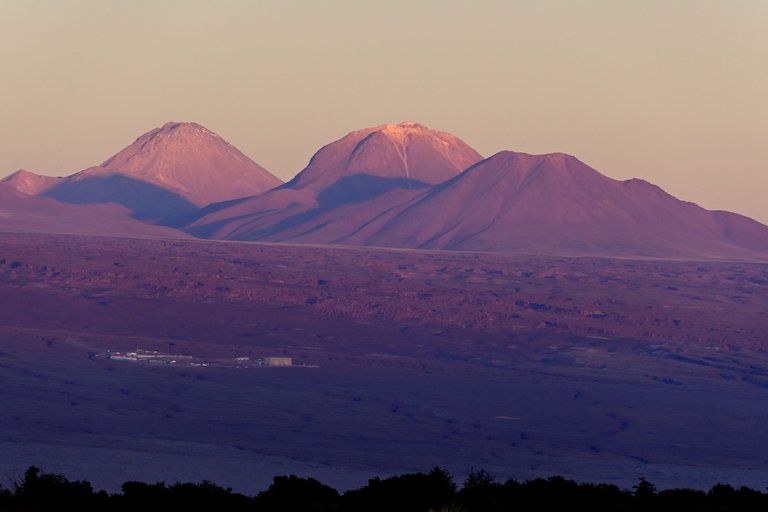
<point>395,185</point>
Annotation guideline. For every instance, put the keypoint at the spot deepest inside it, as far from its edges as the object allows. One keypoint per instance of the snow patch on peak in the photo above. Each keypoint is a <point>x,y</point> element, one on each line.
<point>399,133</point>
<point>393,131</point>
<point>172,132</point>
<point>403,128</point>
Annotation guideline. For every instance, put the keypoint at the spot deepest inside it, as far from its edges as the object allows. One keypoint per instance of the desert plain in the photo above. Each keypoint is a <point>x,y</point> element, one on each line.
<point>597,369</point>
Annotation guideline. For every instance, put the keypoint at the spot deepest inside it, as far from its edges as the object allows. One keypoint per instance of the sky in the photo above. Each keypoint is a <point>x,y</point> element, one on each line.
<point>674,92</point>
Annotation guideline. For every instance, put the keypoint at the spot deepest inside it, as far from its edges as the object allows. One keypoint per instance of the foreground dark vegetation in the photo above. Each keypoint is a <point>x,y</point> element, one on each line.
<point>413,492</point>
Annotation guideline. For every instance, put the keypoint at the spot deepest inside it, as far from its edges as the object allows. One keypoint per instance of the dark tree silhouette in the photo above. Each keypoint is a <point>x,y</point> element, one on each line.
<point>479,479</point>
<point>683,499</point>
<point>644,489</point>
<point>187,497</point>
<point>6,499</point>
<point>480,492</point>
<point>291,493</point>
<point>48,491</point>
<point>411,492</point>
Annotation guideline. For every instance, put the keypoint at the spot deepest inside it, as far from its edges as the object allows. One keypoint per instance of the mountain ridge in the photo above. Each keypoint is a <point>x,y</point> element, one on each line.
<point>398,185</point>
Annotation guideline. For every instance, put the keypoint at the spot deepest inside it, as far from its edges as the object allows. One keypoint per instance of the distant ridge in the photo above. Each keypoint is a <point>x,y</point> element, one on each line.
<point>393,185</point>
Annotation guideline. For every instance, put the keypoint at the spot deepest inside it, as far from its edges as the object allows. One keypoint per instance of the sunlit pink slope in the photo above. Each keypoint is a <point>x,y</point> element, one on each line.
<point>22,213</point>
<point>556,204</point>
<point>363,166</point>
<point>30,183</point>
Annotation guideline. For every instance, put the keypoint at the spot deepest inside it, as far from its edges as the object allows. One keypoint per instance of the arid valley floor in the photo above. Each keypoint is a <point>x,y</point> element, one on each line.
<point>595,369</point>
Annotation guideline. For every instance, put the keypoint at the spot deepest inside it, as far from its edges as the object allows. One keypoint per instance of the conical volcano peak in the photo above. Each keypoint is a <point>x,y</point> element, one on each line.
<point>406,151</point>
<point>179,128</point>
<point>183,125</point>
<point>171,125</point>
<point>404,127</point>
<point>172,136</point>
<point>185,161</point>
<point>409,129</point>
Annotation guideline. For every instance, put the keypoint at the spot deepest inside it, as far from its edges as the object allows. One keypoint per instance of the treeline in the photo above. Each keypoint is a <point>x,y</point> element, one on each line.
<point>414,492</point>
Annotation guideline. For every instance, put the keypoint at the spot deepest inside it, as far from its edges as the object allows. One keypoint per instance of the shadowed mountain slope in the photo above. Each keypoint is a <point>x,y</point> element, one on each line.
<point>22,213</point>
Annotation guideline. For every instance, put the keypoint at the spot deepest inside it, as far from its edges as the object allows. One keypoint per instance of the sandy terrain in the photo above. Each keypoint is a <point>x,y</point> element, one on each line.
<point>596,369</point>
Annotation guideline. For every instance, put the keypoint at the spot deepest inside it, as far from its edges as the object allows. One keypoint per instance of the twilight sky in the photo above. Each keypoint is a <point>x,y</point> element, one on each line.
<point>674,92</point>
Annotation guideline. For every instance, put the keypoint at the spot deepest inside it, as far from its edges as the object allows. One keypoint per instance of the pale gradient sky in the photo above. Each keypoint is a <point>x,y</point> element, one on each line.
<point>675,92</point>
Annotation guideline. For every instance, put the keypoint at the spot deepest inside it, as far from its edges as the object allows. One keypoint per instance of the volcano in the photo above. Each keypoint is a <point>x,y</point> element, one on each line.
<point>556,204</point>
<point>364,166</point>
<point>169,171</point>
<point>408,155</point>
